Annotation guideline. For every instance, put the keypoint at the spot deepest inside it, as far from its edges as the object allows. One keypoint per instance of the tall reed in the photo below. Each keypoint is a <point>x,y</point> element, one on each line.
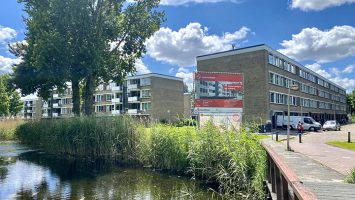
<point>234,161</point>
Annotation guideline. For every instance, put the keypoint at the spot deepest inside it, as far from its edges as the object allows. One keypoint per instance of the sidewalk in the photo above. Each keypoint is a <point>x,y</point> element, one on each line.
<point>324,182</point>
<point>313,145</point>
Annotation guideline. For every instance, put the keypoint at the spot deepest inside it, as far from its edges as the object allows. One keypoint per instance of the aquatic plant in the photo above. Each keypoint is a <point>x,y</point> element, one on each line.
<point>234,161</point>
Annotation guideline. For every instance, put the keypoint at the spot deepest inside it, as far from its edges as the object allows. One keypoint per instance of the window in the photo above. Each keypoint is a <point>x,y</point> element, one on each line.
<point>145,93</point>
<point>99,108</point>
<point>280,98</point>
<point>145,81</point>
<point>108,97</point>
<point>146,106</point>
<point>110,108</point>
<point>98,98</point>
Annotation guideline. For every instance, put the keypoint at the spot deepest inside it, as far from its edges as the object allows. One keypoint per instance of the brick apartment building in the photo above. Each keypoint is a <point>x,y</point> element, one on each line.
<point>153,96</point>
<point>267,76</point>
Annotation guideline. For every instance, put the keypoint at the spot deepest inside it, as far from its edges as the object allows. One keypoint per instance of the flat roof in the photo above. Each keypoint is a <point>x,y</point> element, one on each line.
<point>154,75</point>
<point>270,50</point>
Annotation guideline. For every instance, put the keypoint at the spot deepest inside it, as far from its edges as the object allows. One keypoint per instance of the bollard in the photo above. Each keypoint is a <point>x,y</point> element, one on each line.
<point>277,136</point>
<point>300,138</point>
<point>349,137</point>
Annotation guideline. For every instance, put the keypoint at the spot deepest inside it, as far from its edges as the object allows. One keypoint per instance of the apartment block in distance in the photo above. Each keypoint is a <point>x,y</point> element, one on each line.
<point>267,77</point>
<point>32,108</point>
<point>151,96</point>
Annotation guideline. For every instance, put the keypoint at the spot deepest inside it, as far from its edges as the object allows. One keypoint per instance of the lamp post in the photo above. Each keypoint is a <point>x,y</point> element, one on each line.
<point>291,87</point>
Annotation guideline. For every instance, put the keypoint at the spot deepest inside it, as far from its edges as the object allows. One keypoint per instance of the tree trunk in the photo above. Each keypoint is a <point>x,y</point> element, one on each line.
<point>76,97</point>
<point>89,95</point>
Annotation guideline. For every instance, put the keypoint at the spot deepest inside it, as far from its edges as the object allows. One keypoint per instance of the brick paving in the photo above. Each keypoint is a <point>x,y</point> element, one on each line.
<point>324,182</point>
<point>313,145</point>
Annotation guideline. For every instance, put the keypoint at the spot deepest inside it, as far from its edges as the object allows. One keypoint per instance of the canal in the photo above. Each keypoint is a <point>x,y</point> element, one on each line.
<point>32,174</point>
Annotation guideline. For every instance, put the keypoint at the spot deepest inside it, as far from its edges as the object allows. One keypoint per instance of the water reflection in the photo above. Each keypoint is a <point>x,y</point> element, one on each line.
<point>36,175</point>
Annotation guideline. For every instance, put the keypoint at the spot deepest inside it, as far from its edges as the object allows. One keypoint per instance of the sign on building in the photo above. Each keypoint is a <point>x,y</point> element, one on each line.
<point>219,97</point>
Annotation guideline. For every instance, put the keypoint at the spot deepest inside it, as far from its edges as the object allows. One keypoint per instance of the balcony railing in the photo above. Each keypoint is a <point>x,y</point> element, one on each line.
<point>116,100</point>
<point>116,112</point>
<point>132,99</point>
<point>115,88</point>
<point>132,86</point>
<point>132,111</point>
<point>55,105</point>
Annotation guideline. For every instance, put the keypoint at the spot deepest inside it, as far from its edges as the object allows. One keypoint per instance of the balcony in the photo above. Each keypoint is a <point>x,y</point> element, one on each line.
<point>115,88</point>
<point>55,114</point>
<point>116,112</point>
<point>132,87</point>
<point>133,99</point>
<point>55,105</point>
<point>132,111</point>
<point>29,111</point>
<point>45,105</point>
<point>116,100</point>
<point>55,96</point>
<point>45,115</point>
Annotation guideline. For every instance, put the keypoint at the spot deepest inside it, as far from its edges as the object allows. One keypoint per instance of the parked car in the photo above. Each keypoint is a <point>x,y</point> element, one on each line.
<point>331,125</point>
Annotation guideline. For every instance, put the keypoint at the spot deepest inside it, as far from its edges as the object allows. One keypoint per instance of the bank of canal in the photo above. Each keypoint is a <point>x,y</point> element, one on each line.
<point>29,174</point>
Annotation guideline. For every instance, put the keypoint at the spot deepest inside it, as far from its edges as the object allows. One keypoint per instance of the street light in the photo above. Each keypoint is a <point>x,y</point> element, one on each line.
<point>291,87</point>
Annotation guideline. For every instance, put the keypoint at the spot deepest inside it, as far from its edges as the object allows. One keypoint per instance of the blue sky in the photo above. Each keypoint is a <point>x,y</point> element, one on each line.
<point>318,33</point>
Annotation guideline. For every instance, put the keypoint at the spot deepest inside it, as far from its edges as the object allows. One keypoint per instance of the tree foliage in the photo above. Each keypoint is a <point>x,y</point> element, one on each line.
<point>82,41</point>
<point>4,98</point>
<point>351,100</point>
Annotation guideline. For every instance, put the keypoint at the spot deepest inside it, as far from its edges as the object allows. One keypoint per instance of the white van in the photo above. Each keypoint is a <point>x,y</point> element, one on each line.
<point>308,122</point>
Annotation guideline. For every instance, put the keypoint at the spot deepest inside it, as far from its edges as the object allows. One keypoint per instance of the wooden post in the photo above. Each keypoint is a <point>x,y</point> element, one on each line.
<point>278,183</point>
<point>349,137</point>
<point>277,136</point>
<point>273,180</point>
<point>284,188</point>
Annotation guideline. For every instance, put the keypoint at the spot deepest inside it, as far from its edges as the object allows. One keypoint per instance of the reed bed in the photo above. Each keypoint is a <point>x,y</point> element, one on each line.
<point>234,161</point>
<point>7,128</point>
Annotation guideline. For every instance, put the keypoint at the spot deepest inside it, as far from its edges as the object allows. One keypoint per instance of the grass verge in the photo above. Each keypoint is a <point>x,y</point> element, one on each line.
<point>341,144</point>
<point>233,161</point>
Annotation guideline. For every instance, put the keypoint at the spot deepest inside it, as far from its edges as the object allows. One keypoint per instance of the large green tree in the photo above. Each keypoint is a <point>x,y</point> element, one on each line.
<point>15,103</point>
<point>4,98</point>
<point>351,100</point>
<point>82,41</point>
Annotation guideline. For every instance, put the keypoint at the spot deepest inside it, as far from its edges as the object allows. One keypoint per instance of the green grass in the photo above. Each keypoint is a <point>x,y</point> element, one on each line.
<point>235,161</point>
<point>344,145</point>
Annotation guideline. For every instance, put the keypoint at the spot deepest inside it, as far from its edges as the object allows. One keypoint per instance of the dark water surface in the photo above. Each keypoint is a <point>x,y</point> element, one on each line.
<point>28,174</point>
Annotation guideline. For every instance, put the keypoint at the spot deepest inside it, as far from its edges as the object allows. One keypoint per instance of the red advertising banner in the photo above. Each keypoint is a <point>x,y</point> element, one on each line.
<point>219,103</point>
<point>221,77</point>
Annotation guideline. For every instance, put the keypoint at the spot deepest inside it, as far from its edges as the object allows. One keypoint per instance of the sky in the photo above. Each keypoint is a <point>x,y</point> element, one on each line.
<point>319,34</point>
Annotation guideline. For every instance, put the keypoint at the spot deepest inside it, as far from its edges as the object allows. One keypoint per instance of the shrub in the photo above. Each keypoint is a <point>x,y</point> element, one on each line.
<point>351,177</point>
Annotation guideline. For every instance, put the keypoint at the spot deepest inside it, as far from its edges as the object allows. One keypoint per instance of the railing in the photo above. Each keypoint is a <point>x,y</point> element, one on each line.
<point>133,99</point>
<point>282,177</point>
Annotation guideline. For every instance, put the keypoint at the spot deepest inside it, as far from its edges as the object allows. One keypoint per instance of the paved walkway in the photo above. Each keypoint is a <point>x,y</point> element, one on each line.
<point>325,183</point>
<point>313,146</point>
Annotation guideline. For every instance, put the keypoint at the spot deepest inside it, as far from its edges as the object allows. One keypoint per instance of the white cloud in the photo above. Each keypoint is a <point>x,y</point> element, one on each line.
<point>349,69</point>
<point>316,5</point>
<point>141,67</point>
<point>318,69</point>
<point>321,46</point>
<point>335,75</point>
<point>347,83</point>
<point>6,64</point>
<point>187,76</point>
<point>181,47</point>
<point>6,33</point>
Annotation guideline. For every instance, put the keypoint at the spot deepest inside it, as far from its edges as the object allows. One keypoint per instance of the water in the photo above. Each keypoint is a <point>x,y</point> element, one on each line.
<point>29,174</point>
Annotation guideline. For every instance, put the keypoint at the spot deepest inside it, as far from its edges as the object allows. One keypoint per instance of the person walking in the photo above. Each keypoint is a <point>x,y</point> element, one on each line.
<point>299,127</point>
